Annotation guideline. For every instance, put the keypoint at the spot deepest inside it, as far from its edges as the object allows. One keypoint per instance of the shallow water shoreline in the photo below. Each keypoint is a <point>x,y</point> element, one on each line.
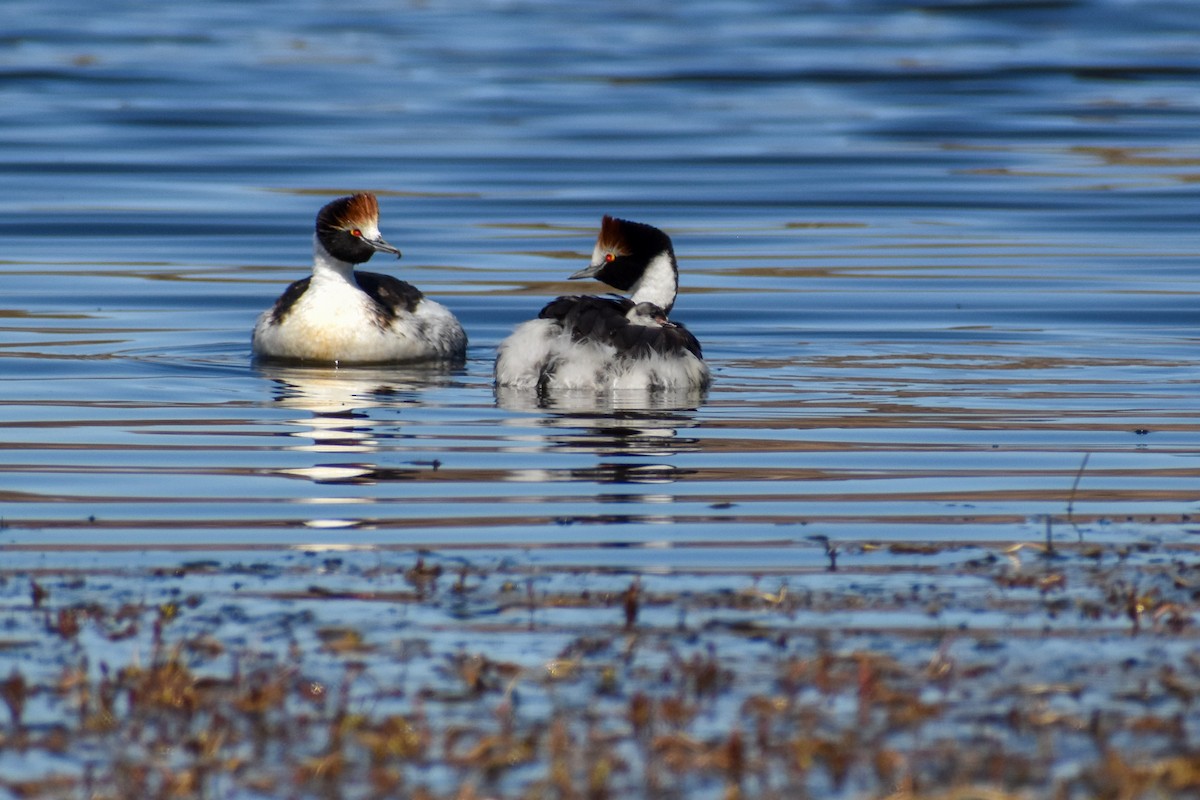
<point>490,674</point>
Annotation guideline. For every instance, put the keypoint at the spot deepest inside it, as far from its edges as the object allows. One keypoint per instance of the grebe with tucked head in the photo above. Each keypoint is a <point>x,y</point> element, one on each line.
<point>339,315</point>
<point>605,343</point>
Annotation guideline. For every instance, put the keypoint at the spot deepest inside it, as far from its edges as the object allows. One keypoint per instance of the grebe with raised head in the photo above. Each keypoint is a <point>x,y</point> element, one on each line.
<point>339,315</point>
<point>606,343</point>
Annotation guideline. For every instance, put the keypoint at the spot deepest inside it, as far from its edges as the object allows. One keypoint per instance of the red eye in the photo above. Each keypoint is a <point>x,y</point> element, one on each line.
<point>609,257</point>
<point>356,233</point>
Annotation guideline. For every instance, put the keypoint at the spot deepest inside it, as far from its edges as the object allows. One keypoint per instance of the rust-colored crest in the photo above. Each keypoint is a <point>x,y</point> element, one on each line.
<point>612,236</point>
<point>359,210</point>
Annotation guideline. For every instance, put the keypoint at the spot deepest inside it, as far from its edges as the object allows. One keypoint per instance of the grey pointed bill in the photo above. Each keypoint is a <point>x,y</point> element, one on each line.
<point>380,246</point>
<point>586,272</point>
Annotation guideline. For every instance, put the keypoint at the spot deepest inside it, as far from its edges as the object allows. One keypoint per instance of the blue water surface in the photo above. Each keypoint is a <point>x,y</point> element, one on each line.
<point>937,253</point>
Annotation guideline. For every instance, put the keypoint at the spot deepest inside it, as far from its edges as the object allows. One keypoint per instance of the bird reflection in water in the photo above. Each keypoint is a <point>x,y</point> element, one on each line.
<point>337,400</point>
<point>640,424</point>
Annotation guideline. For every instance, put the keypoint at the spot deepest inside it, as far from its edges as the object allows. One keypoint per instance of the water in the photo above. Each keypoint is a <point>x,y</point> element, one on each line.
<point>941,257</point>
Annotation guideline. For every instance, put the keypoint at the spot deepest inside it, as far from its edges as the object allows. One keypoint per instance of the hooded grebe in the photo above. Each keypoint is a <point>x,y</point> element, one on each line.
<point>605,343</point>
<point>341,316</point>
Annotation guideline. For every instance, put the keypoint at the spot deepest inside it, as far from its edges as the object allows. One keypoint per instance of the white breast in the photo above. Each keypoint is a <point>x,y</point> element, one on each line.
<point>336,322</point>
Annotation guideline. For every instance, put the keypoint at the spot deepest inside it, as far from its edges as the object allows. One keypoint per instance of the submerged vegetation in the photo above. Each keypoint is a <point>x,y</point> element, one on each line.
<point>947,671</point>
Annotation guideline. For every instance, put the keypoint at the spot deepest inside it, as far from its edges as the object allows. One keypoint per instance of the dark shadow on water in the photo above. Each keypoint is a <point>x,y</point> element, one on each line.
<point>623,473</point>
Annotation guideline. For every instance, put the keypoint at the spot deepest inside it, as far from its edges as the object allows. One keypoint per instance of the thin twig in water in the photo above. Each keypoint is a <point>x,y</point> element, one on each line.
<point>1071,496</point>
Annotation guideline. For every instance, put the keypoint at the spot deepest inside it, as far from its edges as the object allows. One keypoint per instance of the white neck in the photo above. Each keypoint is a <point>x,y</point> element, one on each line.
<point>658,283</point>
<point>326,267</point>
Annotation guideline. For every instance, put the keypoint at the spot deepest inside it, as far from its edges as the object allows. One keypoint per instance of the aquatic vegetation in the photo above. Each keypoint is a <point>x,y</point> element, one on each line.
<point>947,671</point>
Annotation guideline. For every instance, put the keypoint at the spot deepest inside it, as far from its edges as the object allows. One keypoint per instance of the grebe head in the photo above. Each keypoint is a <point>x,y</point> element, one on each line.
<point>647,314</point>
<point>348,229</point>
<point>635,258</point>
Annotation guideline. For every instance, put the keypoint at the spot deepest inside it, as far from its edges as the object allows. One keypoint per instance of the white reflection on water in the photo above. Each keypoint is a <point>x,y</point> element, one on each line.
<point>339,401</point>
<point>627,422</point>
<point>608,402</point>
